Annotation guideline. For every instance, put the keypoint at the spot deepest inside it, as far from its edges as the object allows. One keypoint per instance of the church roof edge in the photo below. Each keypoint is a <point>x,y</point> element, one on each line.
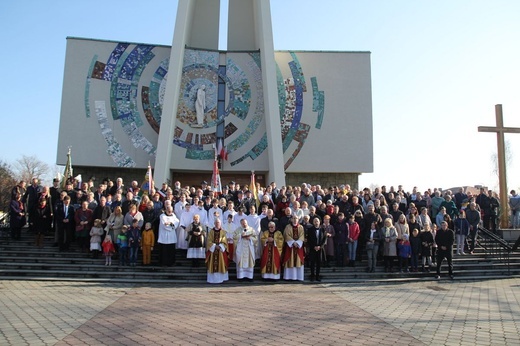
<point>223,51</point>
<point>114,41</point>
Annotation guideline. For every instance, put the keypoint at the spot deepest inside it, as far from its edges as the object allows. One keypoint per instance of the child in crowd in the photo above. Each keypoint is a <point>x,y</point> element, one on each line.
<point>122,244</point>
<point>405,252</point>
<point>426,248</point>
<point>134,241</point>
<point>108,249</point>
<point>415,243</point>
<point>95,238</point>
<point>434,246</point>
<point>147,243</point>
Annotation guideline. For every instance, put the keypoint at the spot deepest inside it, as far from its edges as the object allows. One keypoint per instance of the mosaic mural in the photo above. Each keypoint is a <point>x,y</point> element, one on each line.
<point>135,102</point>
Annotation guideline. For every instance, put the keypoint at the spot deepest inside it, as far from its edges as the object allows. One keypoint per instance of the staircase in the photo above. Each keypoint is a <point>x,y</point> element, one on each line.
<point>21,260</point>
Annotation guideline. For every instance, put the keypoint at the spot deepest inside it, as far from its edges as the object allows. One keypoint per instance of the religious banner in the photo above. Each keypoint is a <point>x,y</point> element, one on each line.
<point>253,189</point>
<point>148,185</point>
<point>67,173</point>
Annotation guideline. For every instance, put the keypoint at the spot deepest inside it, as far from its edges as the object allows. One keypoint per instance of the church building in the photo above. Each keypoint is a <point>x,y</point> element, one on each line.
<point>289,116</point>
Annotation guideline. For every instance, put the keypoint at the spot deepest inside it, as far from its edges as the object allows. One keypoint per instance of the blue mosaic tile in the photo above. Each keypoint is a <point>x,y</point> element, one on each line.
<point>297,71</point>
<point>131,62</point>
<point>120,158</point>
<point>113,61</point>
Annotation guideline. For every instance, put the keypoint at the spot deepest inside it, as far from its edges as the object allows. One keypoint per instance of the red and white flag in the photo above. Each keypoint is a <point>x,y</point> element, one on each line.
<point>222,150</point>
<point>216,185</point>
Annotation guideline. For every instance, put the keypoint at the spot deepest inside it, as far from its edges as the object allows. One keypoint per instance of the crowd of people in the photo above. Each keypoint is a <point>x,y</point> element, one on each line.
<point>281,230</point>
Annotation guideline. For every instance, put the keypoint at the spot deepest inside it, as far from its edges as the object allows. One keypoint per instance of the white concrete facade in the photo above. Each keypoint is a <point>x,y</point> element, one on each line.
<point>286,111</point>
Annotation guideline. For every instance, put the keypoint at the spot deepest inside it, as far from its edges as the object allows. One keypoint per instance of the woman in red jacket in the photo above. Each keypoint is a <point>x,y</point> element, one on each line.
<point>352,240</point>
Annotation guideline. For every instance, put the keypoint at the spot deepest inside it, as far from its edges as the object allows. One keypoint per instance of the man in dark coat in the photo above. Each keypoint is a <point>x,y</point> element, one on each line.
<point>64,215</point>
<point>316,238</point>
<point>31,197</point>
<point>444,239</point>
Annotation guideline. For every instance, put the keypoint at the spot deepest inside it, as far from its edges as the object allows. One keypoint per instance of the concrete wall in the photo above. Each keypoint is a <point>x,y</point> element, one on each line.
<point>113,94</point>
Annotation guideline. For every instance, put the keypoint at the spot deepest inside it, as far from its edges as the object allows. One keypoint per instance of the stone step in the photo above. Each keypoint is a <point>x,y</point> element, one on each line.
<point>234,283</point>
<point>22,260</point>
<point>158,277</point>
<point>186,264</point>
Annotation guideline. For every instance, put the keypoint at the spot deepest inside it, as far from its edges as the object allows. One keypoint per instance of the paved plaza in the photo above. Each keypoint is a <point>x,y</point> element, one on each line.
<point>418,313</point>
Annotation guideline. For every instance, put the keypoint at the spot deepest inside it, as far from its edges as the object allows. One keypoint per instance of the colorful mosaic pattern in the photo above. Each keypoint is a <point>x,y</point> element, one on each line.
<point>123,71</point>
<point>318,102</point>
<point>114,149</point>
<point>134,102</point>
<point>256,117</point>
<point>290,93</point>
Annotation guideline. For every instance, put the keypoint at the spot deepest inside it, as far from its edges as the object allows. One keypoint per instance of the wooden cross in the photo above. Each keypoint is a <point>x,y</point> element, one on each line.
<point>502,181</point>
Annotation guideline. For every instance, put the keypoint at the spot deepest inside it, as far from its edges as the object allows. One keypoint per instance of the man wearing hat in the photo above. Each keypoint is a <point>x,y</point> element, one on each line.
<point>204,187</point>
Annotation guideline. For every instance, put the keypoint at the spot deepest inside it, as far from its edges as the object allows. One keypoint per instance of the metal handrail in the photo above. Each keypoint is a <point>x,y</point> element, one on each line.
<point>495,246</point>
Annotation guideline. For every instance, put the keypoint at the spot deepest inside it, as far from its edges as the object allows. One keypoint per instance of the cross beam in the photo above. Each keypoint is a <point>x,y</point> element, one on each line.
<point>502,180</point>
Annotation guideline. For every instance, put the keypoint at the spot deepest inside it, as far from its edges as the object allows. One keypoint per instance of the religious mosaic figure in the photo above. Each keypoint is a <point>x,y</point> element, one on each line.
<point>200,104</point>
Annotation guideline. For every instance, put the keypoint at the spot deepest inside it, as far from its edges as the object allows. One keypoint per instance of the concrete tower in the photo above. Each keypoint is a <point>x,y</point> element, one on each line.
<point>249,29</point>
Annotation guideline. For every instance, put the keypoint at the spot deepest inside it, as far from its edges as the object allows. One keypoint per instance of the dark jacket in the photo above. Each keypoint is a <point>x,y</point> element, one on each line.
<point>461,226</point>
<point>341,230</point>
<point>473,217</point>
<point>312,240</point>
<point>41,218</point>
<point>134,237</point>
<point>264,224</point>
<point>59,216</point>
<point>416,243</point>
<point>15,208</point>
<point>445,238</point>
<point>378,238</point>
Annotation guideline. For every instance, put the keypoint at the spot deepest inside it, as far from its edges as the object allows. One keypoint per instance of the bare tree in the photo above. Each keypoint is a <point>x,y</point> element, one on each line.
<point>508,157</point>
<point>7,182</point>
<point>29,167</point>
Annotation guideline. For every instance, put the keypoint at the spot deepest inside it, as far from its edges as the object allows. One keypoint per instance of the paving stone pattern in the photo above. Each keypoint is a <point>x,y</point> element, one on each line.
<point>438,313</point>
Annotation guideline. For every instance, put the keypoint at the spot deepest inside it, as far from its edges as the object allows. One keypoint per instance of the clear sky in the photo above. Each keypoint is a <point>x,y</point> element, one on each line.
<point>438,69</point>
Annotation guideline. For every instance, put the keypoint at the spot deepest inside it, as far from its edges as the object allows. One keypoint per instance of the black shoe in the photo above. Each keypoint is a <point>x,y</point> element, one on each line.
<point>318,278</point>
<point>312,278</point>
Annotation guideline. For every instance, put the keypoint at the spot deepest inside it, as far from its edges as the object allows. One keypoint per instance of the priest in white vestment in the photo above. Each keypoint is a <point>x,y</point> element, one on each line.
<point>245,240</point>
<point>185,220</point>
